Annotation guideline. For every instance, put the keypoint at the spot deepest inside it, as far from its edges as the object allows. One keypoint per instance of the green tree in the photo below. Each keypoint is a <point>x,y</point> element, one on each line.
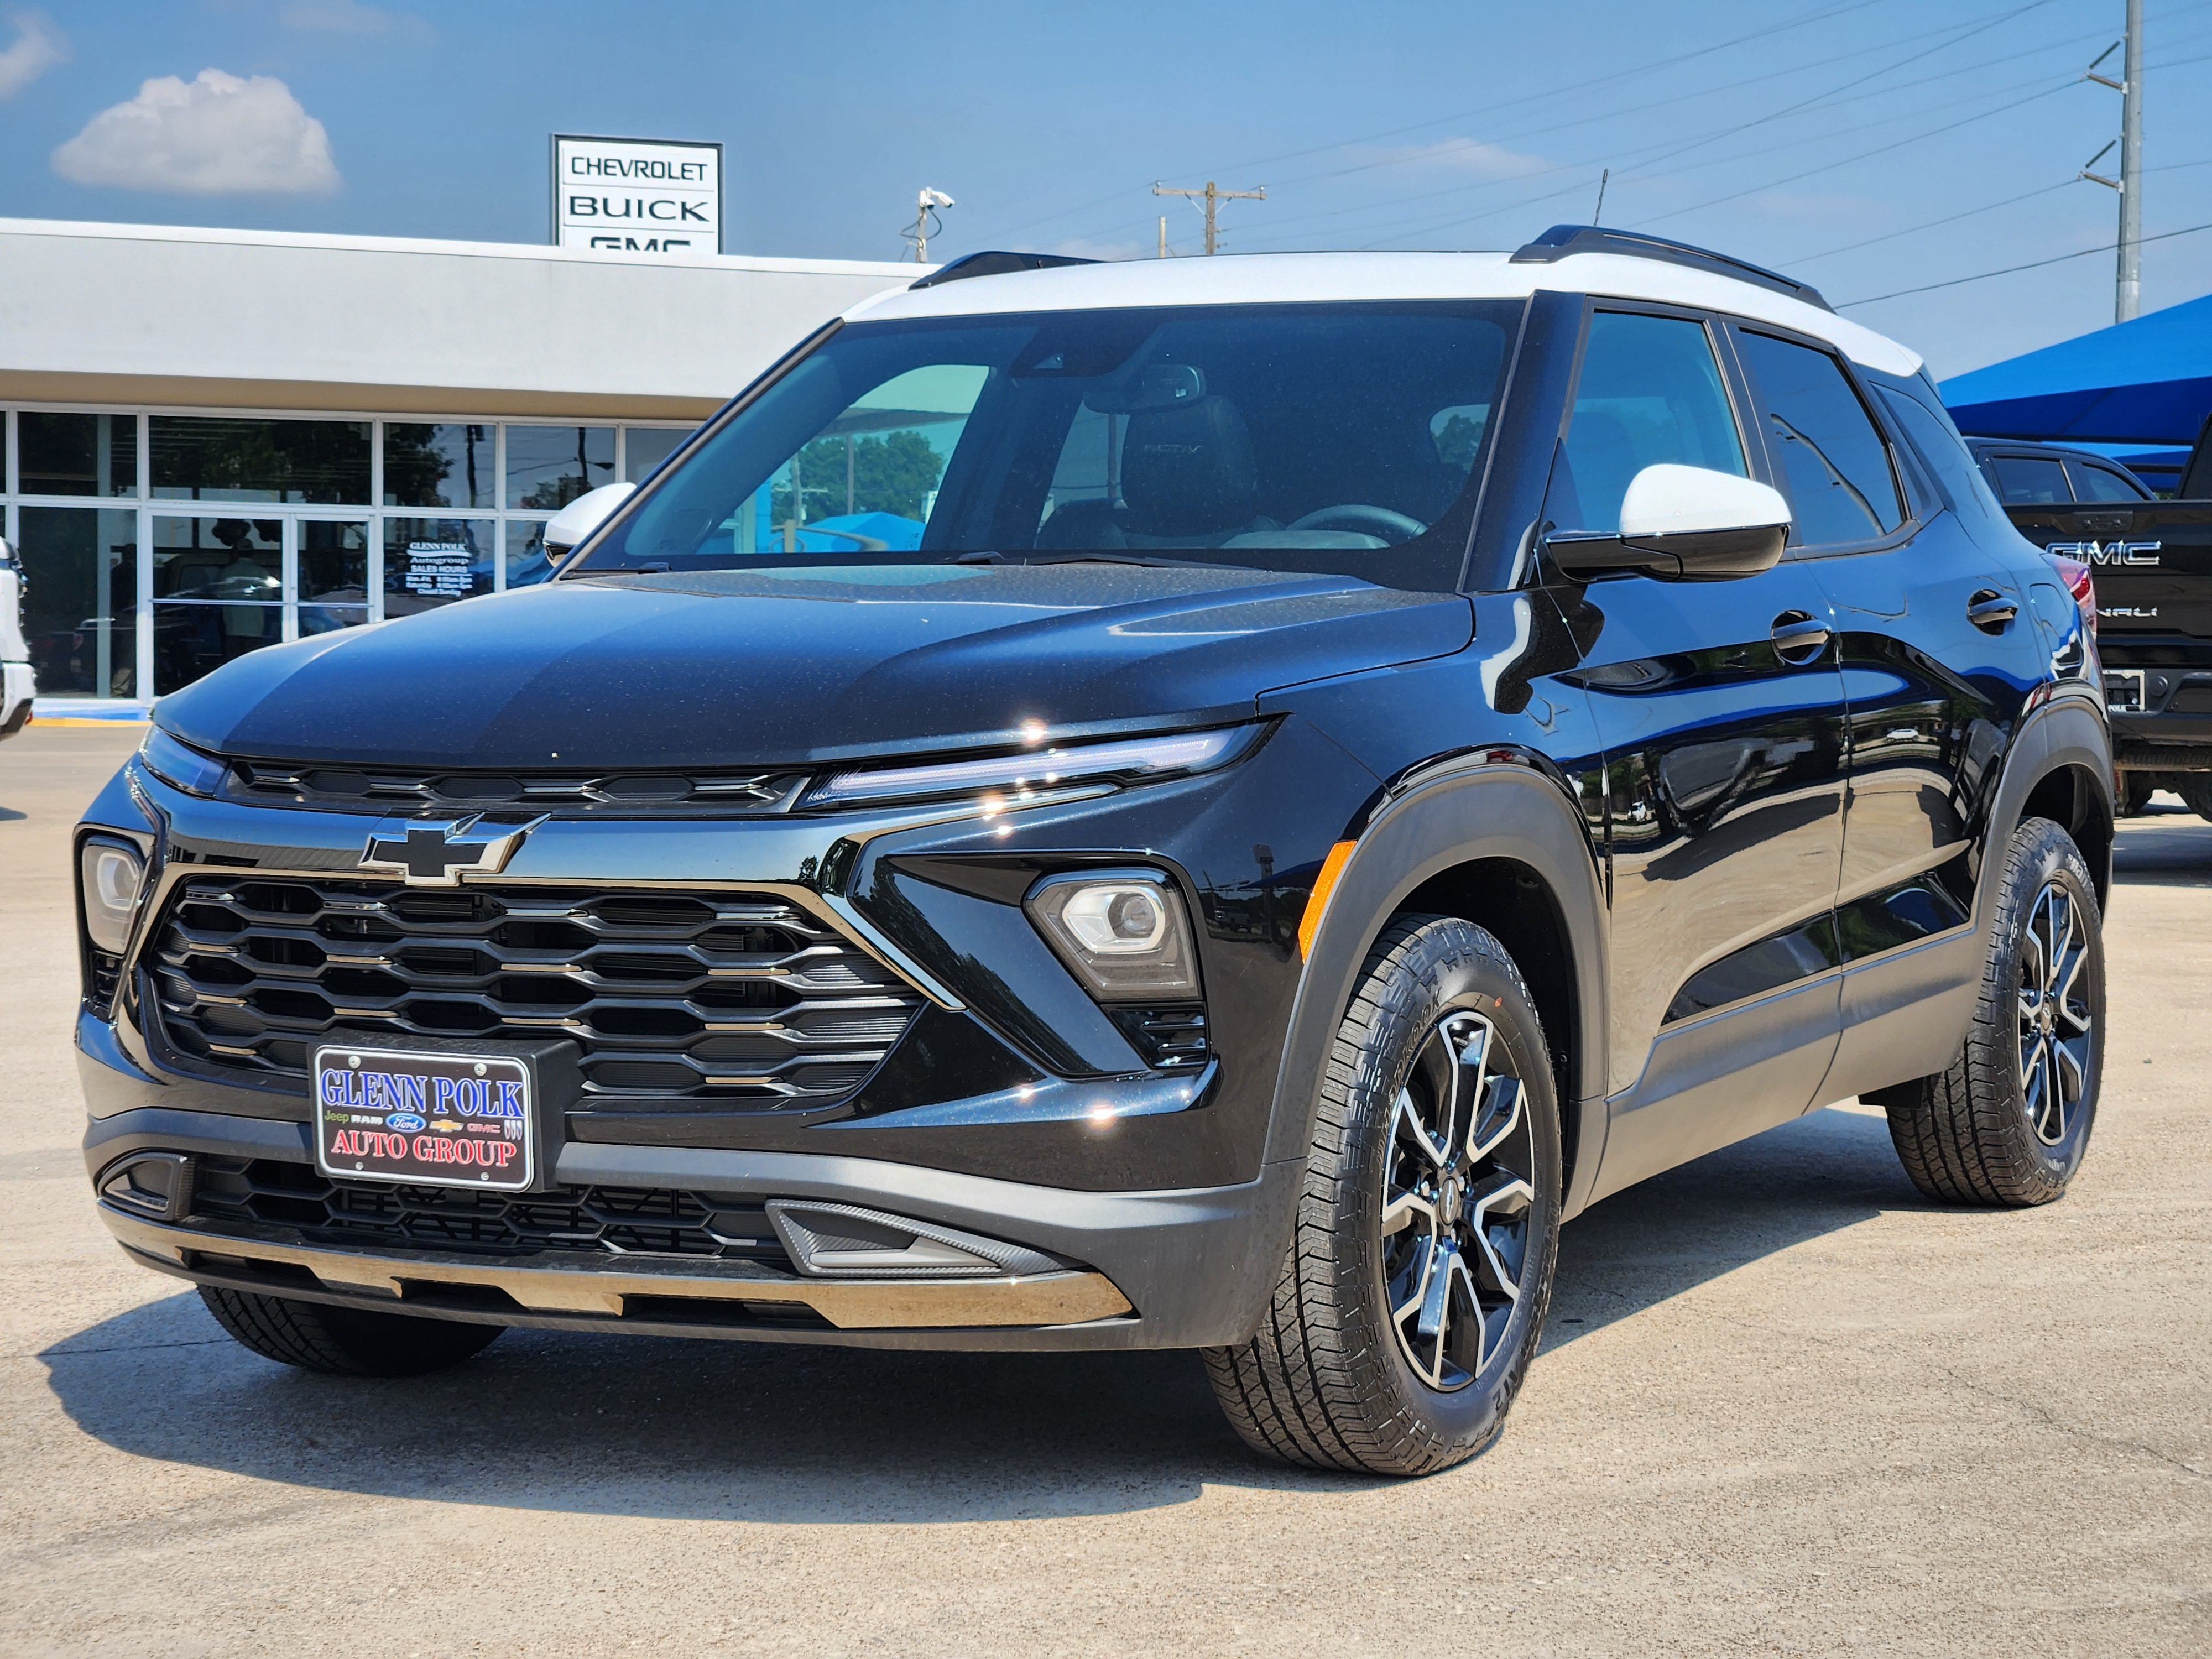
<point>890,474</point>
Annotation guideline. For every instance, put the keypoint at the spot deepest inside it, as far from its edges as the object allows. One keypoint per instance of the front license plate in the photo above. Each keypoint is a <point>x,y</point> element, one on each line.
<point>428,1120</point>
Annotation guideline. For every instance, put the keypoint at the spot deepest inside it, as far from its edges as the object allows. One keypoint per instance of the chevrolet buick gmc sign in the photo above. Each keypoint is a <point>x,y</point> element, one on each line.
<point>637,196</point>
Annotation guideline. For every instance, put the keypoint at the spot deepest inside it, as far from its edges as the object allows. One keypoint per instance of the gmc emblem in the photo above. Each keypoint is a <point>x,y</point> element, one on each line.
<point>2107,552</point>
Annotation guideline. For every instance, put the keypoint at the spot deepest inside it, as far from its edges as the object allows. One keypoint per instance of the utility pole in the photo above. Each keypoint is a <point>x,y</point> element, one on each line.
<point>1215,196</point>
<point>2127,285</point>
<point>1163,236</point>
<point>2128,300</point>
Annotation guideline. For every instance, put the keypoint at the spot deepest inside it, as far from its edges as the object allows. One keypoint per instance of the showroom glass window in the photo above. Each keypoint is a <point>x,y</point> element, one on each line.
<point>549,466</point>
<point>81,599</point>
<point>1650,393</point>
<point>222,458</point>
<point>443,466</point>
<point>161,545</point>
<point>77,454</point>
<point>1842,489</point>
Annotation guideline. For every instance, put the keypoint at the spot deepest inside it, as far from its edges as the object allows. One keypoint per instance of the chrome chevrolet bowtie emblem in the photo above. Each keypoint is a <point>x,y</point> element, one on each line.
<point>436,854</point>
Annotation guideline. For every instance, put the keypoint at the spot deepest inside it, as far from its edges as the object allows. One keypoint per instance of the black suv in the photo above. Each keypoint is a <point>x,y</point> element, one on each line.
<point>1203,804</point>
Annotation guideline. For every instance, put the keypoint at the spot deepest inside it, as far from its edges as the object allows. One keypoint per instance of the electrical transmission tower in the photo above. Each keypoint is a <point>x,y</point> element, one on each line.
<point>1214,197</point>
<point>2127,295</point>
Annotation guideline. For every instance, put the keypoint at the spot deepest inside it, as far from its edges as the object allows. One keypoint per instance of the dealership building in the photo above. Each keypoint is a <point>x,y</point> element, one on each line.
<point>217,440</point>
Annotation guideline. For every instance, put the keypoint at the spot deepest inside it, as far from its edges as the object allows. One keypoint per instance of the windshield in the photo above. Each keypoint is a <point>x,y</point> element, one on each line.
<point>1308,437</point>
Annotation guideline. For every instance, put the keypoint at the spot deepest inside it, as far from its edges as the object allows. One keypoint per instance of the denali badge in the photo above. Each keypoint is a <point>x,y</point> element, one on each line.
<point>435,855</point>
<point>2107,552</point>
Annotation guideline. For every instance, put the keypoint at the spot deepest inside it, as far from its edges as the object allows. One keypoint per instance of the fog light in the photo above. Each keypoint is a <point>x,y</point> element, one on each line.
<point>1123,932</point>
<point>111,875</point>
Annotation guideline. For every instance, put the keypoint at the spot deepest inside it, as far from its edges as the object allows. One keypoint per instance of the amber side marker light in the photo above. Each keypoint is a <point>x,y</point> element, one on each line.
<point>1324,884</point>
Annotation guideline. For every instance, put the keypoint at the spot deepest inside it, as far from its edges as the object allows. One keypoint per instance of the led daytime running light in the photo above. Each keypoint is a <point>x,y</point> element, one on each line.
<point>174,764</point>
<point>1134,759</point>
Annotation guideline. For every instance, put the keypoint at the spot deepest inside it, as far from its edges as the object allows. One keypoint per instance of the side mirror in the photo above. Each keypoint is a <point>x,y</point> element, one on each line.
<point>573,522</point>
<point>1682,524</point>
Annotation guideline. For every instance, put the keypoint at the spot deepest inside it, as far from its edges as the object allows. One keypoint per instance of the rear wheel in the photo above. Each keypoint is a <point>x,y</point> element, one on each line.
<point>1411,1301</point>
<point>344,1341</point>
<point>2008,1121</point>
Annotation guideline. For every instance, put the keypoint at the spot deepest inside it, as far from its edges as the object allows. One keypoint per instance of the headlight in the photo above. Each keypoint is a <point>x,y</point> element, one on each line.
<point>175,762</point>
<point>1123,932</point>
<point>1013,777</point>
<point>111,875</point>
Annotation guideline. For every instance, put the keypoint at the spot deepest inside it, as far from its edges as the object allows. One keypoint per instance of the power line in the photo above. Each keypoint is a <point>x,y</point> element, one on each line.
<point>1879,149</point>
<point>1487,109</point>
<point>2032,264</point>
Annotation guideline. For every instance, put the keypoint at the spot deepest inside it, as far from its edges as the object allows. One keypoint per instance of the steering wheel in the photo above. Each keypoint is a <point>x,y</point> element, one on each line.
<point>1353,516</point>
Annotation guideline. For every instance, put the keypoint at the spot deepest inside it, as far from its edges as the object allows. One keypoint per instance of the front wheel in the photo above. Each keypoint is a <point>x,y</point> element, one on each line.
<point>318,1336</point>
<point>2008,1121</point>
<point>1411,1301</point>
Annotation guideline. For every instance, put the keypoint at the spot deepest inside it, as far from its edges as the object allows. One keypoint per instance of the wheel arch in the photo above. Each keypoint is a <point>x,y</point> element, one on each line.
<point>1505,847</point>
<point>2060,768</point>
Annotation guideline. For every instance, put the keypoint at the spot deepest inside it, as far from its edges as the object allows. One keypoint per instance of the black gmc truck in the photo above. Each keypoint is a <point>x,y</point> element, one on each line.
<point>2151,561</point>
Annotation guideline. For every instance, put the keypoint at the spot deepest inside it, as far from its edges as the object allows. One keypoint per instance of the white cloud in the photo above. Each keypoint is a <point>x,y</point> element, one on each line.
<point>39,46</point>
<point>214,136</point>
<point>1469,156</point>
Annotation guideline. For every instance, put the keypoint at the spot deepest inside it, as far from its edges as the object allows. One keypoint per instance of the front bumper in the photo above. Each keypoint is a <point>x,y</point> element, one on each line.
<point>1188,1268</point>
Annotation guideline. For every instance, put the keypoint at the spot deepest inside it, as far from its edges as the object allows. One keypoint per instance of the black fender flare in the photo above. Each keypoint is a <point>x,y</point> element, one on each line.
<point>1446,815</point>
<point>2068,731</point>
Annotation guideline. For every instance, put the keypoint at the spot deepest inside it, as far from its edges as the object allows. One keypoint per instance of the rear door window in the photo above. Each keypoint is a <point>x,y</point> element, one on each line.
<point>2093,483</point>
<point>2030,481</point>
<point>1831,454</point>
<point>1651,392</point>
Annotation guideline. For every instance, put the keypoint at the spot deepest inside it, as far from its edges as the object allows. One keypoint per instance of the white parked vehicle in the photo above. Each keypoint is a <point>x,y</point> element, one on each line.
<point>16,685</point>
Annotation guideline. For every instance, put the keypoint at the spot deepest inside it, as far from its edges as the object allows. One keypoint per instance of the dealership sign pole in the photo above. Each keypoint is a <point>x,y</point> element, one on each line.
<point>637,195</point>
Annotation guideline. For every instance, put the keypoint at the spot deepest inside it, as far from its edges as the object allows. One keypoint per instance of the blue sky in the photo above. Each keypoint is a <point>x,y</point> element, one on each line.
<point>1730,123</point>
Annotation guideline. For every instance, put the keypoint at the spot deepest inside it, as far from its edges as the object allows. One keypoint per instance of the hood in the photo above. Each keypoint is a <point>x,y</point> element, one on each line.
<point>791,666</point>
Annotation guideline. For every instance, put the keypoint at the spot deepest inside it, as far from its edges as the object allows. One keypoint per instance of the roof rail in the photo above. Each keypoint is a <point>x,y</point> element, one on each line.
<point>996,263</point>
<point>1564,241</point>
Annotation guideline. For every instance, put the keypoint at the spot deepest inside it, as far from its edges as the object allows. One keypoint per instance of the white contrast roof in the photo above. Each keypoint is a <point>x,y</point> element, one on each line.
<point>1251,279</point>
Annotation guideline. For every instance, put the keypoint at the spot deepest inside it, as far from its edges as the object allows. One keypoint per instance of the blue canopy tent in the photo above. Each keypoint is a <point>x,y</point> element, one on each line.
<point>2143,385</point>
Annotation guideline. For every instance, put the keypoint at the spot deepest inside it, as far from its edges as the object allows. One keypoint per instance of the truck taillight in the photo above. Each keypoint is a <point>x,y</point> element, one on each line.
<point>2075,575</point>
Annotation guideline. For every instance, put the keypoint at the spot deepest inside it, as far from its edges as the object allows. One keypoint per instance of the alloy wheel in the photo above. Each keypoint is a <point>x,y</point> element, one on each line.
<point>2055,1021</point>
<point>1457,1205</point>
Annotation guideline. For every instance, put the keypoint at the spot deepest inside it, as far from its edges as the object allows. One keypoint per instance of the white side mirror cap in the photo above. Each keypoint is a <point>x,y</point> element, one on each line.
<point>587,513</point>
<point>1667,500</point>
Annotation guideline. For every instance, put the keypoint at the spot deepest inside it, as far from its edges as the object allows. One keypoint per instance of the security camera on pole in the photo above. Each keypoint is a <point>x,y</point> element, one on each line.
<point>926,205</point>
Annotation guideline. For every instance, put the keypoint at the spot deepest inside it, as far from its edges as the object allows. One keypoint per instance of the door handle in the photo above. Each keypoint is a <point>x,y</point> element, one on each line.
<point>1799,638</point>
<point>1990,610</point>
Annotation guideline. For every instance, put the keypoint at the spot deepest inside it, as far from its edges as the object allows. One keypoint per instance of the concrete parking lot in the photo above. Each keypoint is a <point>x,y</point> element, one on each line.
<point>1784,1405</point>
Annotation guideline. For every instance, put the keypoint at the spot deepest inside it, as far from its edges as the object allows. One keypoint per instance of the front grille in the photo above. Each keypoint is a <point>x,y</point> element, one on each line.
<point>603,1220</point>
<point>721,1001</point>
<point>557,794</point>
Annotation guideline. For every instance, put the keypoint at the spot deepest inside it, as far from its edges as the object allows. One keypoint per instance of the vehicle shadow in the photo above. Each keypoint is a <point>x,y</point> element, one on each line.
<point>606,1424</point>
<point>2163,847</point>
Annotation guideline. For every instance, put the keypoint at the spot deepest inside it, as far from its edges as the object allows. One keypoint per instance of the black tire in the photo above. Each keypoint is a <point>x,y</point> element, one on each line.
<point>1998,1127</point>
<point>2136,789</point>
<point>1333,1380</point>
<point>344,1341</point>
<point>2195,789</point>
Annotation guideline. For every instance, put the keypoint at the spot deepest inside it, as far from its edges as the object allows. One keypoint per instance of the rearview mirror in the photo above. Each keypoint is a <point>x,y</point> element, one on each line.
<point>1682,524</point>
<point>573,522</point>
<point>1150,386</point>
